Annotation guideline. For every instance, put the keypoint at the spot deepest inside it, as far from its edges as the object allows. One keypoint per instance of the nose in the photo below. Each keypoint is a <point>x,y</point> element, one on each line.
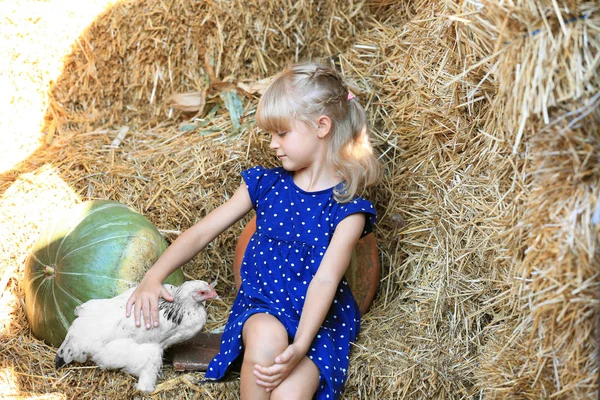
<point>273,145</point>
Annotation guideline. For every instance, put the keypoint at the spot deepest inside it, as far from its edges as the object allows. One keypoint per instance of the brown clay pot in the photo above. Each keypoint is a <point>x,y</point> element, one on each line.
<point>363,273</point>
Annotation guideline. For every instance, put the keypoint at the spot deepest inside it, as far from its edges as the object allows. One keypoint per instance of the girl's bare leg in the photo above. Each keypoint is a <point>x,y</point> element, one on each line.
<point>301,383</point>
<point>264,339</point>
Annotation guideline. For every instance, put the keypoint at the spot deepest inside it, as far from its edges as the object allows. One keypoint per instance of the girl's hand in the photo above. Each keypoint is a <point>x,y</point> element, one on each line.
<point>271,377</point>
<point>145,298</point>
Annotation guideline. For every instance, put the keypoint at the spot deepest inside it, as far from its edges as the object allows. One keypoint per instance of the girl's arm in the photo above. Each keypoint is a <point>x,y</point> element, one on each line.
<point>145,297</point>
<point>319,298</point>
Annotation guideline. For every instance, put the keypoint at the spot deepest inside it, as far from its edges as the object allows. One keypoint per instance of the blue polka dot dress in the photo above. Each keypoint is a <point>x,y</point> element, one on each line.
<point>293,230</point>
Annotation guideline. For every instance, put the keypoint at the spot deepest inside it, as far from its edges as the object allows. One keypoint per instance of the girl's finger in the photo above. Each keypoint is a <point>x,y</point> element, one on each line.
<point>260,369</point>
<point>136,312</point>
<point>154,309</point>
<point>266,377</point>
<point>269,371</point>
<point>146,314</point>
<point>285,356</point>
<point>128,306</point>
<point>268,385</point>
<point>164,293</point>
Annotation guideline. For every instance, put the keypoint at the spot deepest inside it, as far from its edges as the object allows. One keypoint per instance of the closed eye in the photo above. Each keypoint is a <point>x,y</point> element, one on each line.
<point>278,134</point>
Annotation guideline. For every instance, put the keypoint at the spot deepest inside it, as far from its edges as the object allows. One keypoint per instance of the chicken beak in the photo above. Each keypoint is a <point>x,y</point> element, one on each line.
<point>209,294</point>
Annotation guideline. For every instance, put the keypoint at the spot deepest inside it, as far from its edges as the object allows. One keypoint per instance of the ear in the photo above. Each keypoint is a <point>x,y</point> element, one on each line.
<point>324,125</point>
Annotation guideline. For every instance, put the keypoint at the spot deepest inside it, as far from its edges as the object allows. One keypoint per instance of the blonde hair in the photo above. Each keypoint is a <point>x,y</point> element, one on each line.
<point>304,92</point>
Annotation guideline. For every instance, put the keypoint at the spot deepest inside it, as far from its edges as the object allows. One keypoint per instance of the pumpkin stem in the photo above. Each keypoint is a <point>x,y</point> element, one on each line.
<point>48,270</point>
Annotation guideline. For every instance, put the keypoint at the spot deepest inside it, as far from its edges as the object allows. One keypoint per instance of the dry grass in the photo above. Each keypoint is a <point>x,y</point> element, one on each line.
<point>488,131</point>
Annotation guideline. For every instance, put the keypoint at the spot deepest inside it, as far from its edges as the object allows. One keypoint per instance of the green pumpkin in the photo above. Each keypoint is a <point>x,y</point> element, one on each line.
<point>97,250</point>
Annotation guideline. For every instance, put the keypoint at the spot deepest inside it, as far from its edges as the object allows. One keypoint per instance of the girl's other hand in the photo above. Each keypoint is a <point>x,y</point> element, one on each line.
<point>271,377</point>
<point>145,299</point>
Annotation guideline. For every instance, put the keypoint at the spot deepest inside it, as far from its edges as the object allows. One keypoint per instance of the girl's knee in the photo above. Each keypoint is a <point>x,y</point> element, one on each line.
<point>264,338</point>
<point>264,328</point>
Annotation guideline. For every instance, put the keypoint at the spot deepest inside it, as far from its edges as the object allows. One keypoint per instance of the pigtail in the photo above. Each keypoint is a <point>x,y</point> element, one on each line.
<point>355,162</point>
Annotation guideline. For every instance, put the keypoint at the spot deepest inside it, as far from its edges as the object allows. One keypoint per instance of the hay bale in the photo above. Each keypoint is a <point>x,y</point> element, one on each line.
<point>548,347</point>
<point>136,54</point>
<point>448,181</point>
<point>547,85</point>
<point>451,110</point>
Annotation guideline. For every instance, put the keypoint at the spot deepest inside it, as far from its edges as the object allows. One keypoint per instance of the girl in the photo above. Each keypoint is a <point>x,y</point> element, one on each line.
<point>294,317</point>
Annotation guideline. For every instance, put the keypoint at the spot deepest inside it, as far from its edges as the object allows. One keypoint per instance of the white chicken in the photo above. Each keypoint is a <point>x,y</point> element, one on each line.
<point>101,332</point>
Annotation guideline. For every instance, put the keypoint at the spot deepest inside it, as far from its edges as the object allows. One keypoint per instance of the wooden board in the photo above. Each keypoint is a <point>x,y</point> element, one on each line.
<point>195,353</point>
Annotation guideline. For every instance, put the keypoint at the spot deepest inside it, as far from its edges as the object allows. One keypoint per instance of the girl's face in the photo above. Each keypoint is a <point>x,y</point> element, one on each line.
<point>298,147</point>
